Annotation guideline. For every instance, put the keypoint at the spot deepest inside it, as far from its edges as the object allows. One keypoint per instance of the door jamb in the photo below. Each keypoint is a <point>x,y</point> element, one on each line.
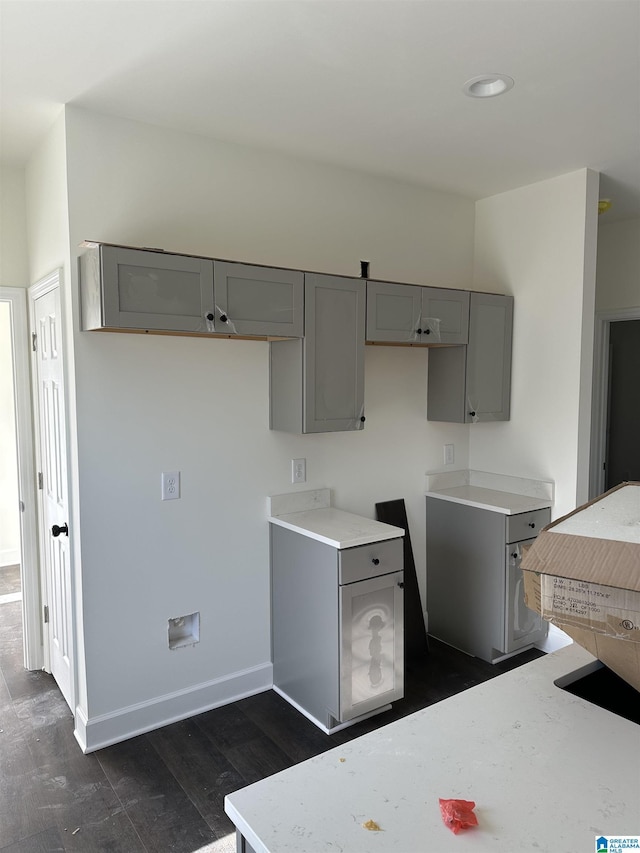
<point>600,393</point>
<point>16,297</point>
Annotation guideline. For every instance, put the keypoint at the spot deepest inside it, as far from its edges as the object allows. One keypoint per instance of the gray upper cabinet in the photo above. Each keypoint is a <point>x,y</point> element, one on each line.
<point>473,383</point>
<point>410,314</point>
<point>317,383</point>
<point>262,301</point>
<point>141,289</point>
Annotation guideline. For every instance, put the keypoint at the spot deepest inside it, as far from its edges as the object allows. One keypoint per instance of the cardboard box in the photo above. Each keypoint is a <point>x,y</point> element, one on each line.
<point>582,574</point>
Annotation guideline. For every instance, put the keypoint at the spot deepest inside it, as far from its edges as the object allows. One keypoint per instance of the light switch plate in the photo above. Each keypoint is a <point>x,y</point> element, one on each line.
<point>448,454</point>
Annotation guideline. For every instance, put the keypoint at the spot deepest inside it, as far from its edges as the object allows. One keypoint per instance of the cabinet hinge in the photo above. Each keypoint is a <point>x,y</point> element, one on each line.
<point>34,341</point>
<point>40,480</point>
<point>46,613</point>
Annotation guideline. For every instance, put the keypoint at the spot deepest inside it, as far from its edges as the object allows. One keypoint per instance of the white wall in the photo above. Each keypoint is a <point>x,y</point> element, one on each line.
<point>147,404</point>
<point>49,250</point>
<point>9,493</point>
<point>13,273</point>
<point>618,266</point>
<point>13,233</point>
<point>538,243</point>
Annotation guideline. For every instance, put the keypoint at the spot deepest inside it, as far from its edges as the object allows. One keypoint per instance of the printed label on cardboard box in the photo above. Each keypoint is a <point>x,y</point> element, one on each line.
<point>604,609</point>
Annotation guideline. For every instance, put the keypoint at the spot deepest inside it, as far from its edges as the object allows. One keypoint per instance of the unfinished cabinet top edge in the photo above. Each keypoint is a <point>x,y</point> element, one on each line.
<point>94,244</point>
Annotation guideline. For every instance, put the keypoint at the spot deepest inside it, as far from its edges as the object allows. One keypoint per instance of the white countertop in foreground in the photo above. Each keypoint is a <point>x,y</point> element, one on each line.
<point>337,528</point>
<point>548,772</point>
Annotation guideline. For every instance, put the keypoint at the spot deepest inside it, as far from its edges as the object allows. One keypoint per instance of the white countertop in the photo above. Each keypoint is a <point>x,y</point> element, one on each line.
<point>495,492</point>
<point>548,772</point>
<point>337,528</point>
<point>491,499</point>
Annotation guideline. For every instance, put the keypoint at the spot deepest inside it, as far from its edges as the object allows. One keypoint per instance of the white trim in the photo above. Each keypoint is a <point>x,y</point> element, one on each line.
<point>9,557</point>
<point>105,729</point>
<point>339,726</point>
<point>29,557</point>
<point>600,393</point>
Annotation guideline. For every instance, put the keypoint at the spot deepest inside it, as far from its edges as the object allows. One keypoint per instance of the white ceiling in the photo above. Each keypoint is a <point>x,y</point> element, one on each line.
<point>370,84</point>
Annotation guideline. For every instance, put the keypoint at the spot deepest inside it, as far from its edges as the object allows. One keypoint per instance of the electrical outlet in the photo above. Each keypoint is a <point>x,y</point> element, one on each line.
<point>170,485</point>
<point>448,454</point>
<point>298,470</point>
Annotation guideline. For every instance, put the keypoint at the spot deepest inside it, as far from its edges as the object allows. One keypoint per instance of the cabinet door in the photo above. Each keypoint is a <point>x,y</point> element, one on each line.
<point>488,381</point>
<point>155,290</point>
<point>522,626</point>
<point>258,300</point>
<point>371,643</point>
<point>393,312</point>
<point>333,389</point>
<point>473,383</point>
<point>445,316</point>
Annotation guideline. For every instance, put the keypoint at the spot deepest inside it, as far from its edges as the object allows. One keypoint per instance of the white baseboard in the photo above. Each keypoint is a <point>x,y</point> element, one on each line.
<point>9,557</point>
<point>339,726</point>
<point>106,729</point>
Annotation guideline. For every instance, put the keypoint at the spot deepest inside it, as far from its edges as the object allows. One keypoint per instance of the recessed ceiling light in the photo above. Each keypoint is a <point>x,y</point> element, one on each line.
<point>487,85</point>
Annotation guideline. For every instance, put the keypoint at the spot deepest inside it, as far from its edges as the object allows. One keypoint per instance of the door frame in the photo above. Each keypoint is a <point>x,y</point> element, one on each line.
<point>16,297</point>
<point>604,319</point>
<point>40,288</point>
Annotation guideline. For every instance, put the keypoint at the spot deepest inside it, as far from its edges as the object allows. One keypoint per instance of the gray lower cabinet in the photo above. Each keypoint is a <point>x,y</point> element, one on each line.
<point>405,313</point>
<point>337,626</point>
<point>261,301</point>
<point>316,384</point>
<point>473,384</point>
<point>475,594</point>
<point>125,288</point>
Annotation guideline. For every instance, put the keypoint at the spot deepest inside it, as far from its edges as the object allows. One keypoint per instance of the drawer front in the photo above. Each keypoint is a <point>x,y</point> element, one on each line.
<point>369,561</point>
<point>527,525</point>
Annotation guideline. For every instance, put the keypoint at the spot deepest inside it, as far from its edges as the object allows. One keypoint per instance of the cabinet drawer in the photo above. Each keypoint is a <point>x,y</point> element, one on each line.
<point>527,525</point>
<point>368,561</point>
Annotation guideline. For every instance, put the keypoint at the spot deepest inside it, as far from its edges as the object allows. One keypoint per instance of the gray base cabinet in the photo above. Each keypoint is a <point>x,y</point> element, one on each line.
<point>404,313</point>
<point>475,595</point>
<point>337,625</point>
<point>317,384</point>
<point>472,384</point>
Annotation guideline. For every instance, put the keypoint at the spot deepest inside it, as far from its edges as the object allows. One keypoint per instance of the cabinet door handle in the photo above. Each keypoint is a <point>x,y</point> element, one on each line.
<point>427,331</point>
<point>56,531</point>
<point>375,561</point>
<point>223,318</point>
<point>418,331</point>
<point>532,524</point>
<point>362,419</point>
<point>515,555</point>
<point>472,414</point>
<point>401,584</point>
<point>209,316</point>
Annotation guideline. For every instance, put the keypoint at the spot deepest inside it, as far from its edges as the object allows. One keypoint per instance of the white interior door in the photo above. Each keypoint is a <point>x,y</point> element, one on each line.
<point>52,459</point>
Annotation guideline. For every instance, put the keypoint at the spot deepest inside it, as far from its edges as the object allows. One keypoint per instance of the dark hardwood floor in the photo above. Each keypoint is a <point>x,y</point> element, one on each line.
<point>163,791</point>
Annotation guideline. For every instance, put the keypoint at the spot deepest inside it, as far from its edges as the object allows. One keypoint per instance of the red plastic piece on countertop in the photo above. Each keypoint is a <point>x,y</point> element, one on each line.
<point>458,814</point>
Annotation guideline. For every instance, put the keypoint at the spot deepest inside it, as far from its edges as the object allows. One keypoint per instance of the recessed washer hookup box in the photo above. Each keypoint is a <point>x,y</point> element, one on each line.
<point>582,574</point>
